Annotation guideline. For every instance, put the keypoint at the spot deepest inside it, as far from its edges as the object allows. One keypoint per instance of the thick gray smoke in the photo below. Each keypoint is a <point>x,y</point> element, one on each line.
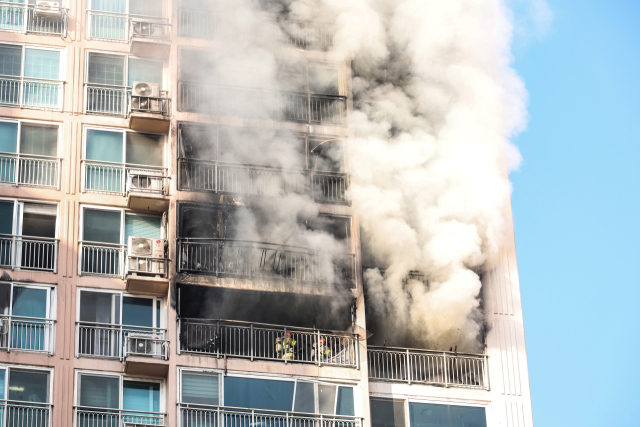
<point>435,103</point>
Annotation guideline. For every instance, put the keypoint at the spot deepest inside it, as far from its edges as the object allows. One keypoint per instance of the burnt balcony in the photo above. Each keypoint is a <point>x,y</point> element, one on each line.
<point>251,180</point>
<point>262,104</point>
<point>31,19</point>
<point>440,368</point>
<point>264,261</point>
<point>259,341</point>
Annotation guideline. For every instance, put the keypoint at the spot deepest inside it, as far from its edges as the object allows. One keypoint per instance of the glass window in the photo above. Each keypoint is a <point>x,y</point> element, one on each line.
<point>141,396</point>
<point>99,391</point>
<point>428,415</point>
<point>119,6</point>
<point>144,149</point>
<point>8,137</point>
<point>142,226</point>
<point>100,307</point>
<point>3,374</point>
<point>42,64</point>
<point>106,70</point>
<point>146,7</point>
<point>200,389</point>
<point>101,226</point>
<point>144,70</point>
<point>305,397</point>
<point>104,145</point>
<point>387,413</point>
<point>28,386</point>
<point>137,311</point>
<point>38,139</point>
<point>258,393</point>
<point>323,81</point>
<point>344,404</point>
<point>10,60</point>
<point>326,398</point>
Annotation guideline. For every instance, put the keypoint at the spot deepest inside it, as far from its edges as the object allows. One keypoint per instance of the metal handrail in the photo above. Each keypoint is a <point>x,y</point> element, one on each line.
<point>115,416</point>
<point>29,252</point>
<point>31,92</point>
<point>115,178</point>
<point>119,25</point>
<point>106,340</point>
<point>30,170</point>
<point>101,259</point>
<point>262,341</point>
<point>445,368</point>
<point>31,334</point>
<point>33,414</point>
<point>33,24</point>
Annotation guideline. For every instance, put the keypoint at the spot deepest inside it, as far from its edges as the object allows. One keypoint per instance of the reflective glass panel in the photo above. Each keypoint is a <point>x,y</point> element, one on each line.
<point>258,393</point>
<point>429,415</point>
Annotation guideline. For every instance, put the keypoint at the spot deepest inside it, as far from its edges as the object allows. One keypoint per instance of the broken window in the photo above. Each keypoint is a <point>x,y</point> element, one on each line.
<point>324,81</point>
<point>326,155</point>
<point>204,222</point>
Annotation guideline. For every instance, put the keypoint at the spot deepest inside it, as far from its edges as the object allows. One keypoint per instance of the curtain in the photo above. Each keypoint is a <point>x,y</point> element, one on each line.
<point>200,389</point>
<point>142,226</point>
<point>430,415</point>
<point>145,70</point>
<point>258,394</point>
<point>143,149</point>
<point>104,146</point>
<point>99,391</point>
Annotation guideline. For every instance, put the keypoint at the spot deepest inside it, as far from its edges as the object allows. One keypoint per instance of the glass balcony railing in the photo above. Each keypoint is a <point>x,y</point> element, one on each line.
<point>28,92</point>
<point>105,340</point>
<point>267,342</point>
<point>28,18</point>
<point>27,334</point>
<point>251,180</point>
<point>30,170</point>
<point>29,253</point>
<point>444,368</point>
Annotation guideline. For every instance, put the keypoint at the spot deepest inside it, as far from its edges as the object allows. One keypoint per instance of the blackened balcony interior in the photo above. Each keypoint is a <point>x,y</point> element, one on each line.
<point>251,242</point>
<point>259,162</point>
<point>267,325</point>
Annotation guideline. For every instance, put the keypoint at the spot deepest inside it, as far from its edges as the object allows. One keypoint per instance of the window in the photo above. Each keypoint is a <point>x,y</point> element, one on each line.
<point>27,394</point>
<point>28,153</point>
<point>109,20</point>
<point>110,155</point>
<point>104,233</point>
<point>202,388</point>
<point>28,235</point>
<point>116,399</point>
<point>133,7</point>
<point>106,318</point>
<point>387,413</point>
<point>427,415</point>
<point>33,71</point>
<point>26,312</point>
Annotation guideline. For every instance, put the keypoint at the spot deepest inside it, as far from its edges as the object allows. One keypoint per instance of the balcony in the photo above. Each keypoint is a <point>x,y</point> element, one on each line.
<point>27,334</point>
<point>30,170</point>
<point>306,35</point>
<point>264,261</point>
<point>250,180</point>
<point>439,368</point>
<point>108,259</point>
<point>29,92</point>
<point>108,417</point>
<point>26,18</point>
<point>16,413</point>
<point>109,341</point>
<point>195,23</point>
<point>192,415</point>
<point>257,341</point>
<point>29,253</point>
<point>117,101</point>
<point>261,104</point>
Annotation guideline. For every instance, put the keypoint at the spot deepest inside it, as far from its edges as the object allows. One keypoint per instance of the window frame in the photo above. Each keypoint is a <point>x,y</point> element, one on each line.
<point>123,214</point>
<point>124,133</point>
<point>7,367</point>
<point>18,214</point>
<point>20,123</point>
<point>62,70</point>
<point>127,9</point>
<point>125,57</point>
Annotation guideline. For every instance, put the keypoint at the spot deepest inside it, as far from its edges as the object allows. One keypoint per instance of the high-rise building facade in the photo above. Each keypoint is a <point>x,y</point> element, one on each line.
<point>142,280</point>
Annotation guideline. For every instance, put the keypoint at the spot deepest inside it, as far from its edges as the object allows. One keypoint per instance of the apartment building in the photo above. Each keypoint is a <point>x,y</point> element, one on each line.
<point>132,292</point>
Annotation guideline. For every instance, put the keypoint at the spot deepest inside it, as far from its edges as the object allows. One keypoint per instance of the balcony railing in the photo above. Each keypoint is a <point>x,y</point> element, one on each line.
<point>144,104</point>
<point>266,342</point>
<point>219,177</point>
<point>27,334</point>
<point>254,103</point>
<point>29,253</point>
<point>192,415</point>
<point>86,416</point>
<point>256,260</point>
<point>101,259</point>
<point>29,92</point>
<point>110,100</point>
<point>25,18</point>
<point>29,414</point>
<point>30,170</point>
<point>147,265</point>
<point>443,368</point>
<point>120,341</point>
<point>120,178</point>
<point>122,27</point>
<point>195,23</point>
<point>305,35</point>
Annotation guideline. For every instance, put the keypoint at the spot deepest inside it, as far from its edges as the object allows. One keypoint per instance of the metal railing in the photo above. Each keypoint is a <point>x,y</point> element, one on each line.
<point>444,368</point>
<point>146,265</point>
<point>151,105</point>
<point>29,253</point>
<point>192,415</point>
<point>120,341</point>
<point>86,416</point>
<point>31,92</point>
<point>195,23</point>
<point>255,103</point>
<point>120,178</point>
<point>110,100</point>
<point>220,177</point>
<point>15,413</point>
<point>264,341</point>
<point>27,334</point>
<point>257,260</point>
<point>305,35</point>
<point>30,170</point>
<point>26,18</point>
<point>101,259</point>
<point>122,27</point>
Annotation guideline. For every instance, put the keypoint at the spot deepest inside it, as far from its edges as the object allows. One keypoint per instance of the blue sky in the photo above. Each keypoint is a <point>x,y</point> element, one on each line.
<point>576,204</point>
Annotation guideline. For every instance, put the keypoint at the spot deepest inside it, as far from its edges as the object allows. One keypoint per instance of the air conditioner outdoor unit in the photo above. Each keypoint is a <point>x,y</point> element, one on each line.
<point>144,345</point>
<point>145,247</point>
<point>144,89</point>
<point>146,181</point>
<point>147,29</point>
<point>47,8</point>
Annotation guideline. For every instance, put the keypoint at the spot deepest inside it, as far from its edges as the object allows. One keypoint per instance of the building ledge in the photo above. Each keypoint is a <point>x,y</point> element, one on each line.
<point>149,47</point>
<point>149,122</point>
<point>152,202</point>
<point>156,285</point>
<point>146,367</point>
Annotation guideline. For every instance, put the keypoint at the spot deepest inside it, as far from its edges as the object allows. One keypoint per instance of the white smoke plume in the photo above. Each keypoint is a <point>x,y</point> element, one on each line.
<point>436,102</point>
